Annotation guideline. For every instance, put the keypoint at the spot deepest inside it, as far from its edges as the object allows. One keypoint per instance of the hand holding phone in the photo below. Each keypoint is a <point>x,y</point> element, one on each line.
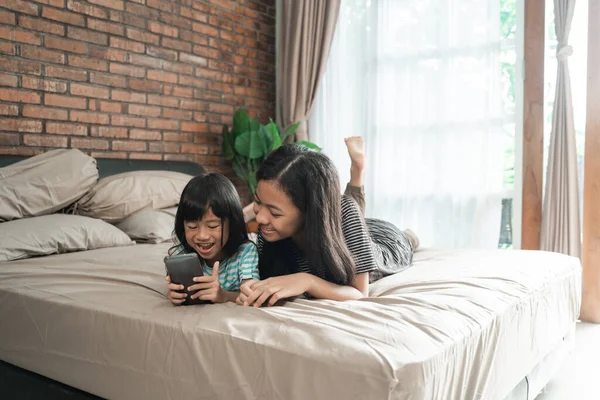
<point>182,269</point>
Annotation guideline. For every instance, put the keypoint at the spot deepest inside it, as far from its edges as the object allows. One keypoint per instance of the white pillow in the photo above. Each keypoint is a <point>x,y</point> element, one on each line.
<point>56,233</point>
<point>151,226</point>
<point>116,197</point>
<point>45,183</point>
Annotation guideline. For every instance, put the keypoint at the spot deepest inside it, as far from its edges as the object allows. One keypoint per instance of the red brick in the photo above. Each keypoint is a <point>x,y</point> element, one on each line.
<point>220,87</point>
<point>237,18</point>
<point>141,36</point>
<point>193,14</point>
<point>178,68</point>
<point>44,141</point>
<point>189,81</point>
<point>63,16</point>
<point>19,151</point>
<point>128,70</point>
<point>205,29</point>
<point>144,110</point>
<point>164,101</point>
<point>141,134</point>
<point>64,128</point>
<point>209,75</point>
<point>177,114</point>
<point>128,96</point>
<point>226,4</point>
<point>160,76</point>
<point>221,108</point>
<point>86,9</point>
<point>234,100</point>
<point>193,148</point>
<point>8,49</point>
<point>7,18</point>
<point>145,86</point>
<point>103,26</point>
<point>108,80</point>
<point>203,94</point>
<point>79,89</point>
<point>199,117</point>
<point>178,157</point>
<point>65,44</point>
<point>9,139</point>
<point>119,120</point>
<point>177,137</point>
<point>162,53</point>
<point>223,46</point>
<point>162,29</point>
<point>162,5</point>
<point>20,125</point>
<point>109,54</point>
<point>163,124</point>
<point>145,61</point>
<point>44,85</point>
<point>141,11</point>
<point>37,24</point>
<point>90,117</point>
<point>129,145</point>
<point>145,156</point>
<point>164,147</point>
<point>55,3</point>
<point>9,80</point>
<point>87,35</point>
<point>179,91</point>
<point>176,44</point>
<point>66,73</point>
<point>174,20</point>
<point>16,35</point>
<point>21,6</point>
<point>235,80</point>
<point>65,101</point>
<point>189,58</point>
<point>193,127</point>
<point>9,109</point>
<point>220,66</point>
<point>115,4</point>
<point>127,45</point>
<point>193,105</point>
<point>109,132</point>
<point>195,38</point>
<point>81,143</point>
<point>110,107</point>
<point>207,52</point>
<point>19,96</point>
<point>45,113</point>
<point>201,6</point>
<point>97,154</point>
<point>88,63</point>
<point>129,19</point>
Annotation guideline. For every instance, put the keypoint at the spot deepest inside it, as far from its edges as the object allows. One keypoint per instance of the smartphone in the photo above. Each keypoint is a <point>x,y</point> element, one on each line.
<point>183,268</point>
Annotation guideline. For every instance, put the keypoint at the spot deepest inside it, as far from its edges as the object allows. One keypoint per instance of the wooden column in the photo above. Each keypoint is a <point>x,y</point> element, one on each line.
<point>533,125</point>
<point>590,308</point>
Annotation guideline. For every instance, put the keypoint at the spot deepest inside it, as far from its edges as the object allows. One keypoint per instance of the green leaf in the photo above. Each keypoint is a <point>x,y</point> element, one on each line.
<point>290,131</point>
<point>228,143</point>
<point>250,144</point>
<point>240,170</point>
<point>241,122</point>
<point>273,130</point>
<point>267,139</point>
<point>309,145</point>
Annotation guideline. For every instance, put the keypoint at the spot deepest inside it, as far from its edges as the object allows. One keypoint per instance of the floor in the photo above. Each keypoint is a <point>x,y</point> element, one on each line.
<point>579,377</point>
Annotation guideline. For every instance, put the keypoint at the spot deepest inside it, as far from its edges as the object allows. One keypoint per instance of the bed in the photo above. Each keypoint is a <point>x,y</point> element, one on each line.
<point>459,324</point>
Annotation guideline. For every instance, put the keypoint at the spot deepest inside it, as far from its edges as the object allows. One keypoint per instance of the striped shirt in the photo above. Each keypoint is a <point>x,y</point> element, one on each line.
<point>356,236</point>
<point>241,265</point>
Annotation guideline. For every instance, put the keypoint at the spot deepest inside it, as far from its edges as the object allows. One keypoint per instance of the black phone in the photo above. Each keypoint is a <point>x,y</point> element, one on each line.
<point>183,268</point>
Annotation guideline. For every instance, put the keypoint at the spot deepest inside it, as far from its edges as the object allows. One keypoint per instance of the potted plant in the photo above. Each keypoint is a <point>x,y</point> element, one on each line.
<point>249,142</point>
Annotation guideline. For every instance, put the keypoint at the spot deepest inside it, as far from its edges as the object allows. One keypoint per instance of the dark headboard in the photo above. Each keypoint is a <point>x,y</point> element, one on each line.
<point>111,166</point>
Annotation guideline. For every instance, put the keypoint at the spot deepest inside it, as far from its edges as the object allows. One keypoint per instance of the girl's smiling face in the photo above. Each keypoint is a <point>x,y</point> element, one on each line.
<point>277,215</point>
<point>208,236</point>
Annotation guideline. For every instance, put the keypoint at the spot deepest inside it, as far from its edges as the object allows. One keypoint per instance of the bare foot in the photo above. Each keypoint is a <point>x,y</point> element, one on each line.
<point>356,150</point>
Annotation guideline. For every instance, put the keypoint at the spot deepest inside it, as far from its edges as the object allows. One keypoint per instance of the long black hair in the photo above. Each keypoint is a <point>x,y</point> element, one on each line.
<point>211,191</point>
<point>311,181</point>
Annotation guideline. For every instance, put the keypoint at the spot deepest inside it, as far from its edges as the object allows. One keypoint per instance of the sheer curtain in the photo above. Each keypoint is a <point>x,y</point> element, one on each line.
<point>421,81</point>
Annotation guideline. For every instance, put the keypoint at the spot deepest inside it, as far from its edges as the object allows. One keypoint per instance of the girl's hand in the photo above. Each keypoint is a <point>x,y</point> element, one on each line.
<point>277,288</point>
<point>175,297</point>
<point>245,290</point>
<point>208,287</point>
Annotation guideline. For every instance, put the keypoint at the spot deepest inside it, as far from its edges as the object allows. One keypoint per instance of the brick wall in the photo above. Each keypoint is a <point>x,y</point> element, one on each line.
<point>140,79</point>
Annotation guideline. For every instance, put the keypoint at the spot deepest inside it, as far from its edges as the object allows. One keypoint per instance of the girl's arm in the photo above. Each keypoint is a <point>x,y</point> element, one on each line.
<point>322,289</point>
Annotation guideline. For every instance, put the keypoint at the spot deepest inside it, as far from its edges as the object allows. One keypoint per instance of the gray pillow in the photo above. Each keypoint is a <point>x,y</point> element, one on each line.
<point>45,183</point>
<point>151,226</point>
<point>56,233</point>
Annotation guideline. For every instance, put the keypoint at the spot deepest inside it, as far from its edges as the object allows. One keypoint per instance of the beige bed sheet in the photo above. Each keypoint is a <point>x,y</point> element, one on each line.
<point>458,325</point>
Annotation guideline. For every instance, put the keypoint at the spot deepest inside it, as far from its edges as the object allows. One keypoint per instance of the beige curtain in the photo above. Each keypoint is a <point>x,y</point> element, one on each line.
<point>305,36</point>
<point>561,230</point>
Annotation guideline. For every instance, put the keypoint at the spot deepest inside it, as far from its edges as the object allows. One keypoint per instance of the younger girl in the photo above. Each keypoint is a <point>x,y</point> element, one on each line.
<point>209,222</point>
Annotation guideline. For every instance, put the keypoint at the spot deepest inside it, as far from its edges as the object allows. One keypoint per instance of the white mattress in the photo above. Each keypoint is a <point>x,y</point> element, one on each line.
<point>457,325</point>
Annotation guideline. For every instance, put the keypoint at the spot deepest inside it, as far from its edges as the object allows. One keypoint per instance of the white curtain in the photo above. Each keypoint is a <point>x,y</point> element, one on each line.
<point>421,81</point>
